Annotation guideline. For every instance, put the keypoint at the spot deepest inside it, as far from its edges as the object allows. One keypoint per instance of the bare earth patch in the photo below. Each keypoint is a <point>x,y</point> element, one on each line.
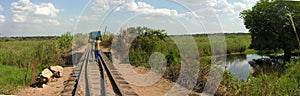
<point>53,88</point>
<point>160,88</point>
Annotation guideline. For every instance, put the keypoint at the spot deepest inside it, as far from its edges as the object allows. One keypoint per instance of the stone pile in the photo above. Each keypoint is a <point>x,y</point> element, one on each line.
<point>47,75</point>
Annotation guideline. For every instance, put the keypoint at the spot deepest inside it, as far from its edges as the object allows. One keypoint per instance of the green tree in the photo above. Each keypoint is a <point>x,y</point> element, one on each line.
<point>146,42</point>
<point>270,25</point>
<point>65,41</point>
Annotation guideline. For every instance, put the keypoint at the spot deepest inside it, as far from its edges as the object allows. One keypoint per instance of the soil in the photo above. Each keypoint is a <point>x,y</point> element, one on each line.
<point>160,88</point>
<point>53,88</point>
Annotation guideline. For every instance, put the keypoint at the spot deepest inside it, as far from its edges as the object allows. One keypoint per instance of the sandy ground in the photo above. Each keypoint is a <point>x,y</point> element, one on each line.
<point>53,88</point>
<point>159,88</point>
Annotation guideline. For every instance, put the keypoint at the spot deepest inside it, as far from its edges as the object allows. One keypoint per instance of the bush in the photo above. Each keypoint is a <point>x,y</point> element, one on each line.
<point>107,40</point>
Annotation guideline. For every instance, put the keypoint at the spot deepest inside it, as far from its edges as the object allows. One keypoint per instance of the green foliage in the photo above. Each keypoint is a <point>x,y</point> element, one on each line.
<point>234,43</point>
<point>268,21</point>
<point>49,53</point>
<point>19,53</point>
<point>11,78</point>
<point>107,40</point>
<point>237,43</point>
<point>35,38</point>
<point>16,55</point>
<point>287,83</point>
<point>148,42</point>
<point>65,41</point>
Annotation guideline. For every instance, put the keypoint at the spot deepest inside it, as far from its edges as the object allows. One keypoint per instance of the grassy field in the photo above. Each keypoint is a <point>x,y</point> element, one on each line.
<point>17,53</point>
<point>235,44</point>
<point>11,78</point>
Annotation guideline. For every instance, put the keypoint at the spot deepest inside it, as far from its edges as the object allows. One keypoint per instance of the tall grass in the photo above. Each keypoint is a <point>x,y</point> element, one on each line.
<point>271,84</point>
<point>16,55</point>
<point>107,40</point>
<point>11,78</point>
<point>19,53</point>
<point>235,43</point>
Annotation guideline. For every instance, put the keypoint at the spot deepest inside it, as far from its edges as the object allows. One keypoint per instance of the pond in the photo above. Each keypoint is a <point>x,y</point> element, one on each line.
<point>239,65</point>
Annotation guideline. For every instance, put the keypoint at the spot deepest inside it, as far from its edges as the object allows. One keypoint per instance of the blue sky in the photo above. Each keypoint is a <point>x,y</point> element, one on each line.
<point>55,17</point>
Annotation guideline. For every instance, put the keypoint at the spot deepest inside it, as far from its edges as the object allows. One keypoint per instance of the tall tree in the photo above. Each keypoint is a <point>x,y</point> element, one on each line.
<point>269,23</point>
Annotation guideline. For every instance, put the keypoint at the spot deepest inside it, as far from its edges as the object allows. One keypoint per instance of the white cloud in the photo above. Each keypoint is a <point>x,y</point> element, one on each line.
<point>46,9</point>
<point>102,6</point>
<point>222,7</point>
<point>1,8</point>
<point>210,12</point>
<point>37,21</point>
<point>146,9</point>
<point>53,22</point>
<point>190,3</point>
<point>251,3</point>
<point>88,18</point>
<point>26,11</point>
<point>239,5</point>
<point>2,17</point>
<point>19,18</point>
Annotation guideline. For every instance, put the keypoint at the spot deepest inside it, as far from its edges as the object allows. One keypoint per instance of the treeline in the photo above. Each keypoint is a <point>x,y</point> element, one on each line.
<point>6,39</point>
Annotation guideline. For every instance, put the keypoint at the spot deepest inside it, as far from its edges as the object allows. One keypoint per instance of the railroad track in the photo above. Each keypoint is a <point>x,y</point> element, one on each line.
<point>93,77</point>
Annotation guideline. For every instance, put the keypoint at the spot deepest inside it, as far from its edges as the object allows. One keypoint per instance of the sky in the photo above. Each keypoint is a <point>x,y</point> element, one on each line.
<point>56,17</point>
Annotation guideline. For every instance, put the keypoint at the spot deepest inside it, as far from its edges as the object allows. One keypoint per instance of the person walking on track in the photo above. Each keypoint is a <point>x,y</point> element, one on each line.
<point>97,49</point>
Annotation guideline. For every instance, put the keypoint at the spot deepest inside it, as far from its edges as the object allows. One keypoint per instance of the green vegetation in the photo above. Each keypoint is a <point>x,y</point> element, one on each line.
<point>271,27</point>
<point>151,40</point>
<point>106,40</point>
<point>17,53</point>
<point>274,83</point>
<point>11,78</point>
<point>235,44</point>
<point>286,83</point>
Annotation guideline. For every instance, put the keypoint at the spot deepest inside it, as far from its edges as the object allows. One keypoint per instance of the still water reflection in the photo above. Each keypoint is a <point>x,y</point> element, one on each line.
<point>238,64</point>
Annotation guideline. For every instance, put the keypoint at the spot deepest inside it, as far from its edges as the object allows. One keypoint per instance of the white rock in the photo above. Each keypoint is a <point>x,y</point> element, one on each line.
<point>44,85</point>
<point>47,73</point>
<point>57,70</point>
